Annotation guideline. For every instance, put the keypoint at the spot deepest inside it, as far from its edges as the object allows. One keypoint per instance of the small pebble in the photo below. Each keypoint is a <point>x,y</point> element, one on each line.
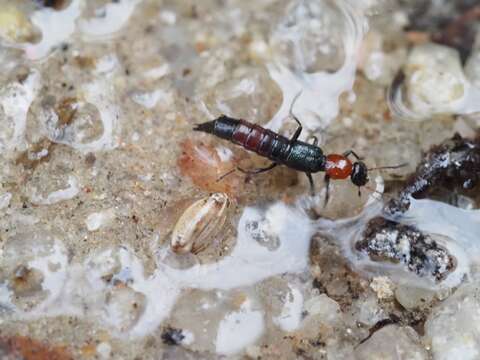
<point>97,220</point>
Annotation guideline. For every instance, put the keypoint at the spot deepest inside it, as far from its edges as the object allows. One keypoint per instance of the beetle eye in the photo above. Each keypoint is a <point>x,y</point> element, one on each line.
<point>359,174</point>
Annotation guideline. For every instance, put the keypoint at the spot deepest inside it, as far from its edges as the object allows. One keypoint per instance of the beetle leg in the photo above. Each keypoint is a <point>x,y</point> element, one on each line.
<point>298,131</point>
<point>312,185</point>
<point>327,186</point>
<point>351,152</point>
<point>257,171</point>
<point>315,140</point>
<point>225,175</point>
<point>300,128</point>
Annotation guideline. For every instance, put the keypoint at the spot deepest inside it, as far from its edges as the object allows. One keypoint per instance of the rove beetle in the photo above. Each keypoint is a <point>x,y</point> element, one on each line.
<point>293,153</point>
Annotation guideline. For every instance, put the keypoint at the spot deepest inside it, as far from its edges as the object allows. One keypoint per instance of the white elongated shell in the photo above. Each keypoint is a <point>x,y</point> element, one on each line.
<point>200,223</point>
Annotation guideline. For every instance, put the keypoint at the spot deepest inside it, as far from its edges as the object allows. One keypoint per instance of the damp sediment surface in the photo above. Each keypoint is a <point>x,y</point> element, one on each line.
<point>121,238</point>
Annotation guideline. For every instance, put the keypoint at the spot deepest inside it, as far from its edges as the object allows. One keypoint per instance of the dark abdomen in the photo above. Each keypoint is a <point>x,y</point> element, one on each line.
<point>250,136</point>
<point>262,141</point>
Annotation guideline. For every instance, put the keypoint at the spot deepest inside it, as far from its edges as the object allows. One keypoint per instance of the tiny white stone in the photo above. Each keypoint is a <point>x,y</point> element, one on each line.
<point>168,17</point>
<point>5,200</point>
<point>259,48</point>
<point>107,64</point>
<point>400,18</point>
<point>104,350</point>
<point>436,82</point>
<point>157,72</point>
<point>146,178</point>
<point>150,99</point>
<point>368,311</point>
<point>97,220</point>
<point>135,136</point>
<point>413,297</point>
<point>59,195</point>
<point>323,307</point>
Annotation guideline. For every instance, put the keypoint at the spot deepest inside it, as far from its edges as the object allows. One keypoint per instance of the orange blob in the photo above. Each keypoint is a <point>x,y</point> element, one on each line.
<point>203,164</point>
<point>338,167</point>
<point>29,349</point>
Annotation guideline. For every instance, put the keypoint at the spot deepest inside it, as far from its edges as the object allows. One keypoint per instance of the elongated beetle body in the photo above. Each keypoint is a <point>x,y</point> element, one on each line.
<point>293,153</point>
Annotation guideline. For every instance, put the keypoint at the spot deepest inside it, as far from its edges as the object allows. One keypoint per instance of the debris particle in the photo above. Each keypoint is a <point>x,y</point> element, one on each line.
<point>387,241</point>
<point>383,287</point>
<point>172,336</point>
<point>453,165</point>
<point>200,224</point>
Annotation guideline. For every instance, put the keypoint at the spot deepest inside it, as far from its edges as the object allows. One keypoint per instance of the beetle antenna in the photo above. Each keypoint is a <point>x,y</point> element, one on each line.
<point>295,98</point>
<point>388,167</point>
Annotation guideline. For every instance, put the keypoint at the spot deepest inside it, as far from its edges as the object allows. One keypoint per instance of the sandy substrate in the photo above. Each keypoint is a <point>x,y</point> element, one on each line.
<point>99,162</point>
